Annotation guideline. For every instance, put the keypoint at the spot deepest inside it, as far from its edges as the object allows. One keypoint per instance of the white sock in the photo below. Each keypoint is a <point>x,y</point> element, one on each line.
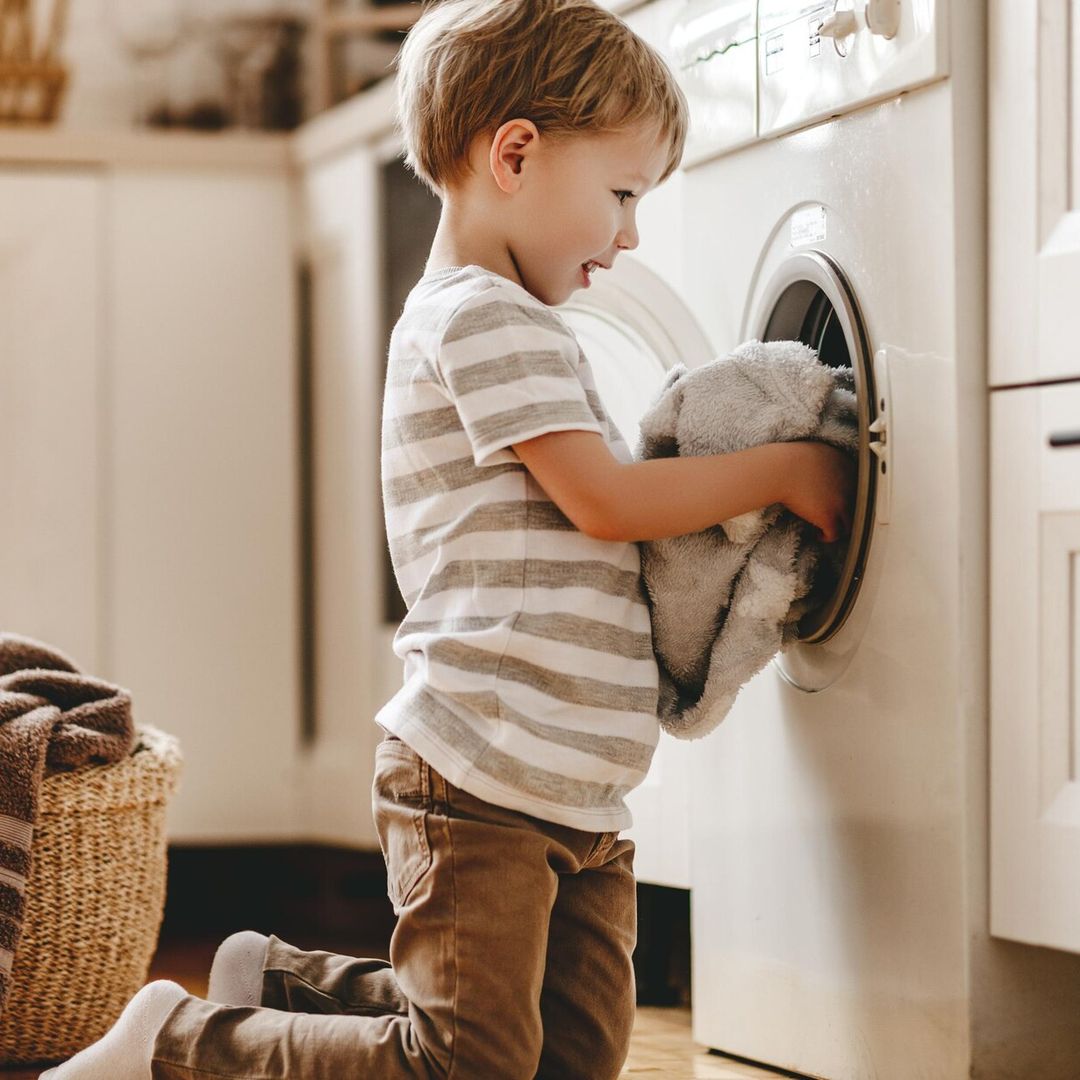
<point>124,1052</point>
<point>236,974</point>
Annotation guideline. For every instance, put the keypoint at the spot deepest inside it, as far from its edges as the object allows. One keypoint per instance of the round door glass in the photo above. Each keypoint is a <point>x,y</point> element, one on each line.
<point>811,301</point>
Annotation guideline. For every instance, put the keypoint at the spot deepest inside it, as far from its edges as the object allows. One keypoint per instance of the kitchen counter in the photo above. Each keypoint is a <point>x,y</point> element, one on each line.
<point>71,146</point>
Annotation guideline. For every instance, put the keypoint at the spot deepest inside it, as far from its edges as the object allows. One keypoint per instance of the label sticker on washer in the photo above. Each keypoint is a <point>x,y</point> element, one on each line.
<point>808,226</point>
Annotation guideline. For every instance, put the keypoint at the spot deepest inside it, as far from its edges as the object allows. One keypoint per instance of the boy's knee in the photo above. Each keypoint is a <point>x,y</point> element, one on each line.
<point>594,1047</point>
<point>602,1057</point>
<point>487,1047</point>
<point>491,1050</point>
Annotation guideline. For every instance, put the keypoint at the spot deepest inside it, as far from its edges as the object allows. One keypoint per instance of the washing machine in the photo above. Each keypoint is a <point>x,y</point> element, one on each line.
<point>834,191</point>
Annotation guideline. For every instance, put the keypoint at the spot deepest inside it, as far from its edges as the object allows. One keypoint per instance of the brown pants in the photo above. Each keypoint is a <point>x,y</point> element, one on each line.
<point>511,958</point>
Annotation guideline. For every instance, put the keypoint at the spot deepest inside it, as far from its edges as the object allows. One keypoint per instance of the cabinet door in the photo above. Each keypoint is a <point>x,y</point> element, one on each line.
<point>1035,661</point>
<point>340,240</point>
<point>203,550</point>
<point>1034,91</point>
<point>50,409</point>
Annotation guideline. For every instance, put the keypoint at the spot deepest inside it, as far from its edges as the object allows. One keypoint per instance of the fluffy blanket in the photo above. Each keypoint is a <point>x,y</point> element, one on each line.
<point>725,600</point>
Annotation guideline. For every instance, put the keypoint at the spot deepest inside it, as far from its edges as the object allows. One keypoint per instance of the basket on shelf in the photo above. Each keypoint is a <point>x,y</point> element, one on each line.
<point>32,79</point>
<point>94,901</point>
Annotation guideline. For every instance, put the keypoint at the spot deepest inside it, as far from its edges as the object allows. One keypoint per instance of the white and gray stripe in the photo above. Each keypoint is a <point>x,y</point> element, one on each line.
<point>532,780</point>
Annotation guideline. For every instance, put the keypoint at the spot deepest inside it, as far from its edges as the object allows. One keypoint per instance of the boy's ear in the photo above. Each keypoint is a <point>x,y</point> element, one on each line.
<point>512,143</point>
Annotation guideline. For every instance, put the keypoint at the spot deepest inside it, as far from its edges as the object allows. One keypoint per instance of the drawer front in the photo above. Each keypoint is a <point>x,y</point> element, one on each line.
<point>1035,658</point>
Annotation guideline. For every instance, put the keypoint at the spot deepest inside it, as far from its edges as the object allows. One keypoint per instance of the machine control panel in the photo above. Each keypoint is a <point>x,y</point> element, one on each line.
<point>822,58</point>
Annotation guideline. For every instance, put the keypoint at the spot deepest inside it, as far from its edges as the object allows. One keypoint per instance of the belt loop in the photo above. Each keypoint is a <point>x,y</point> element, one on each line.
<point>434,786</point>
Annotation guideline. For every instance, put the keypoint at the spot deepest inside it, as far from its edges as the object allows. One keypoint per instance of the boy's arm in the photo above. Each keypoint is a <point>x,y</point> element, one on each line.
<point>649,500</point>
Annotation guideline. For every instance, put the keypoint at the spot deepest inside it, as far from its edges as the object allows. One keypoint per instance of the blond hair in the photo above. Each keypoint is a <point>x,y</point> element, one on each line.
<point>569,66</point>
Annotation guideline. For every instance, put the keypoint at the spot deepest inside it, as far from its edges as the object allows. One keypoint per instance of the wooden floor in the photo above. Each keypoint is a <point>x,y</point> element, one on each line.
<point>661,1045</point>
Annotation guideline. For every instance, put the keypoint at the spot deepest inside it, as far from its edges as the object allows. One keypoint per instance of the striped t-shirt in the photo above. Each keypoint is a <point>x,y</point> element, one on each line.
<point>530,678</point>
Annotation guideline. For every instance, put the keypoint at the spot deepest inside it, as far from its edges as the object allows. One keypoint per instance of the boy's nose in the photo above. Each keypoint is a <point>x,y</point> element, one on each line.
<point>627,239</point>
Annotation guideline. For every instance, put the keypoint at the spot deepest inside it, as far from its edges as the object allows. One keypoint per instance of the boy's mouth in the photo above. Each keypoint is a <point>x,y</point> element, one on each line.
<point>587,268</point>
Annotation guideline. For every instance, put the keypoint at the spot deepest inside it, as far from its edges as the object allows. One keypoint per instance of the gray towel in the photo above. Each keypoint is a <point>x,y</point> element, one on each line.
<point>52,719</point>
<point>725,600</point>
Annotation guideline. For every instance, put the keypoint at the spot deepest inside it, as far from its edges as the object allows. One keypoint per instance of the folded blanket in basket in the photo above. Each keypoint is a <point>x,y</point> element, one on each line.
<point>726,599</point>
<point>52,719</point>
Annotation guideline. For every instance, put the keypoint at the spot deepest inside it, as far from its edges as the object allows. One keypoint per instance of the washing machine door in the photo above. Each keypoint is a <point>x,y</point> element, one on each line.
<point>810,299</point>
<point>633,328</point>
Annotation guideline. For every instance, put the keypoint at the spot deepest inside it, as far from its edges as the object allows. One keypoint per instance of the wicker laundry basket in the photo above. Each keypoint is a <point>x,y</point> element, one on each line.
<point>94,901</point>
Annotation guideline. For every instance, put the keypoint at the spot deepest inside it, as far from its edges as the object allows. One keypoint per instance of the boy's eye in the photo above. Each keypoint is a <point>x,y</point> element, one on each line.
<point>622,196</point>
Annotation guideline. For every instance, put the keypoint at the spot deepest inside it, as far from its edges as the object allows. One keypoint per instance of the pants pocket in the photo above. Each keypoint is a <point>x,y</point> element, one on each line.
<point>401,800</point>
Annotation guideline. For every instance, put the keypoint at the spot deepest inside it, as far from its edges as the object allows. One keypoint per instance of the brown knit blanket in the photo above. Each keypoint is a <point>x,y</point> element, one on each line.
<point>52,719</point>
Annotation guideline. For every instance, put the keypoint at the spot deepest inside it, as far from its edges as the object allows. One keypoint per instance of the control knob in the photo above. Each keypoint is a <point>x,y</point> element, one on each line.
<point>880,17</point>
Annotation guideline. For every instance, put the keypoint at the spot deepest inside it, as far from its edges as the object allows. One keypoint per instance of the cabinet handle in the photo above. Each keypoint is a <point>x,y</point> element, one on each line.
<point>1065,438</point>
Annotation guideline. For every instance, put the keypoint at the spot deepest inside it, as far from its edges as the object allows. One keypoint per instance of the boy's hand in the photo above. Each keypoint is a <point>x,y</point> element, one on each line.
<point>822,488</point>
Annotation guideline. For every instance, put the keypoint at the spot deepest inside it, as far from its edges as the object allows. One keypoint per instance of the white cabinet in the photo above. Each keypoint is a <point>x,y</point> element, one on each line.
<point>202,567</point>
<point>350,231</point>
<point>147,387</point>
<point>51,383</point>
<point>1035,487</point>
<point>1035,659</point>
<point>661,810</point>
<point>339,242</point>
<point>1034,102</point>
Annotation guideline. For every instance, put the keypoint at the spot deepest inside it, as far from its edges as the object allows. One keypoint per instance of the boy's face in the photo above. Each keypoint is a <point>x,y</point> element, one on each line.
<point>577,204</point>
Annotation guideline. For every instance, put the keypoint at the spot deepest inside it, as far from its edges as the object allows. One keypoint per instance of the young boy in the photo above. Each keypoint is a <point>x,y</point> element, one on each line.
<point>528,709</point>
